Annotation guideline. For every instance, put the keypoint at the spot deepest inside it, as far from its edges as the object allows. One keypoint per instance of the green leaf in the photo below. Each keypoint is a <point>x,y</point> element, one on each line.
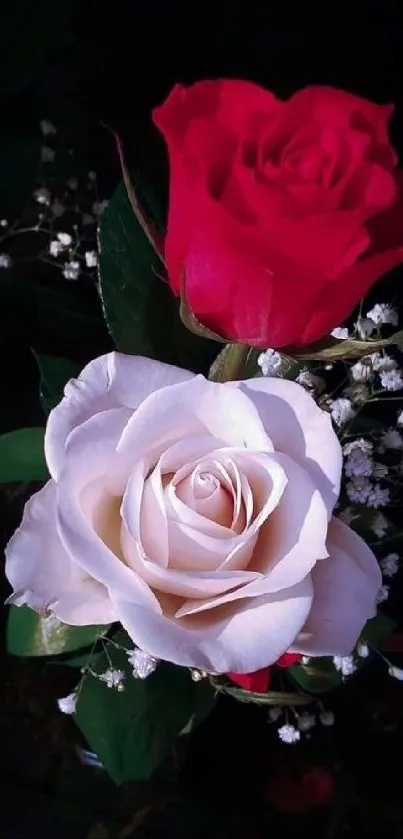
<point>22,456</point>
<point>29,634</point>
<point>378,629</point>
<point>55,372</point>
<point>141,312</point>
<point>133,731</point>
<point>319,676</point>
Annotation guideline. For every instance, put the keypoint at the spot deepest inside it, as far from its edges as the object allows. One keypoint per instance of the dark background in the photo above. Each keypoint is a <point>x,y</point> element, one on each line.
<point>81,64</point>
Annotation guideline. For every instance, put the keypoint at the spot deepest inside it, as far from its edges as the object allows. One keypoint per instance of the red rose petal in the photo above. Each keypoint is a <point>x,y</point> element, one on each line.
<point>288,659</point>
<point>258,682</point>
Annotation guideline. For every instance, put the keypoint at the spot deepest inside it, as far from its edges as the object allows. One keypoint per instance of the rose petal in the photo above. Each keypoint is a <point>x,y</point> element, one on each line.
<point>241,641</point>
<point>206,407</point>
<point>345,587</point>
<point>43,574</point>
<point>257,682</point>
<point>300,429</point>
<point>197,583</point>
<point>294,537</point>
<point>338,298</point>
<point>110,381</point>
<point>92,454</point>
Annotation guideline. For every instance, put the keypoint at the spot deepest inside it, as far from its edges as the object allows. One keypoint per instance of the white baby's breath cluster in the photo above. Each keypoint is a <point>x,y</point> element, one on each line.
<point>302,723</point>
<point>68,215</point>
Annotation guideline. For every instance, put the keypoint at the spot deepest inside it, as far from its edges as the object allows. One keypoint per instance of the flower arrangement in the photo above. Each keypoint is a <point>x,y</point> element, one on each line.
<point>218,511</point>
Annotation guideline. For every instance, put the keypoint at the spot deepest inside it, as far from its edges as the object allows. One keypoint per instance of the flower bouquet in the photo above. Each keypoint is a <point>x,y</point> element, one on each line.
<point>218,514</point>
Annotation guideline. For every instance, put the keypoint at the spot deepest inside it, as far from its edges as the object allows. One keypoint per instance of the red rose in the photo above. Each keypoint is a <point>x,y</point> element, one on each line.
<point>301,793</point>
<point>281,214</point>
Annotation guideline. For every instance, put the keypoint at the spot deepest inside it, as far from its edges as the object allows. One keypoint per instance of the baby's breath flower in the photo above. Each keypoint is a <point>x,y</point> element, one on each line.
<point>71,270</point>
<point>358,463</point>
<point>91,259</point>
<point>47,127</point>
<point>99,206</point>
<point>391,439</point>
<point>274,713</point>
<point>310,381</point>
<point>65,239</point>
<point>55,248</point>
<point>306,721</point>
<point>289,734</point>
<point>342,411</point>
<point>364,327</point>
<point>362,649</point>
<point>362,371</point>
<point>47,154</point>
<point>383,594</point>
<point>67,704</point>
<point>143,664</point>
<point>382,313</point>
<point>341,332</point>
<point>344,664</point>
<point>391,379</point>
<point>270,362</point>
<point>42,195</point>
<point>113,679</point>
<point>395,672</point>
<point>389,565</point>
<point>5,260</point>
<point>379,525</point>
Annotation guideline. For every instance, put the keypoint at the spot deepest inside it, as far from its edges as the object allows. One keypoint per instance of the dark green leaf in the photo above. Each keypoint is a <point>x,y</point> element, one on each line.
<point>318,676</point>
<point>55,372</point>
<point>22,456</point>
<point>133,730</point>
<point>29,634</point>
<point>377,629</point>
<point>141,311</point>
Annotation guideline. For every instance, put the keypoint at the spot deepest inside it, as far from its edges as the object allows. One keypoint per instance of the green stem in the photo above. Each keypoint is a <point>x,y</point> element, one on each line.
<point>230,363</point>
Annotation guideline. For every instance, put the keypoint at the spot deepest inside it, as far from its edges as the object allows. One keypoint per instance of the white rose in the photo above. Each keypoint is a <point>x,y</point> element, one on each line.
<point>199,515</point>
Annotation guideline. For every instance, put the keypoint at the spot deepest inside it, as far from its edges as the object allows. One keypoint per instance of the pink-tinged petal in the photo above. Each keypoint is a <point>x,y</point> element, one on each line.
<point>110,381</point>
<point>299,428</point>
<point>294,537</point>
<point>182,583</point>
<point>43,574</point>
<point>205,408</point>
<point>251,637</point>
<point>91,451</point>
<point>345,589</point>
<point>91,455</point>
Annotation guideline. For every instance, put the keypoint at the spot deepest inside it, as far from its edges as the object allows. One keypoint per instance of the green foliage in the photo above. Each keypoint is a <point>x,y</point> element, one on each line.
<point>141,311</point>
<point>22,456</point>
<point>133,730</point>
<point>29,634</point>
<point>55,372</point>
